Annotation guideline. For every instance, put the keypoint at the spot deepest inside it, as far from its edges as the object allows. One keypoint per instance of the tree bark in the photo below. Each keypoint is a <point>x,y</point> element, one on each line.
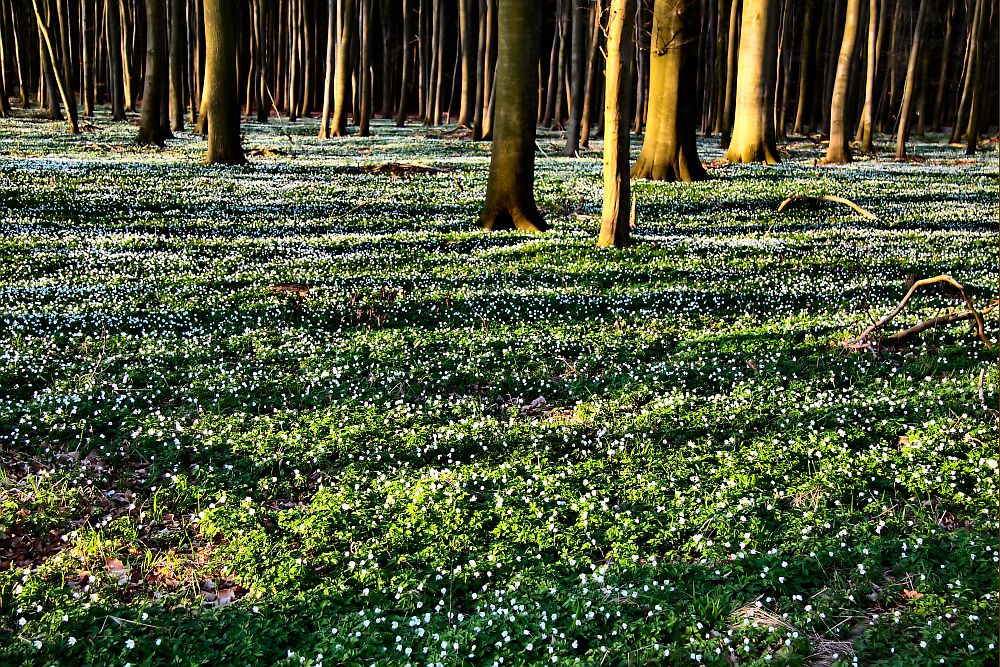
<point>670,150</point>
<point>405,64</point>
<point>221,102</point>
<point>868,112</point>
<point>468,51</point>
<point>342,69</point>
<point>150,129</point>
<point>577,73</point>
<point>616,211</point>
<point>178,51</point>
<point>732,63</point>
<point>57,83</point>
<point>801,125</point>
<point>978,75</point>
<point>596,12</point>
<point>911,76</point>
<point>364,113</point>
<point>839,151</point>
<point>753,132</point>
<point>510,200</point>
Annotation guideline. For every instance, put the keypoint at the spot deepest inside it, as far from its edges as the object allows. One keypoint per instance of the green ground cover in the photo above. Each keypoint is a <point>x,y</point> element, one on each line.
<point>470,449</point>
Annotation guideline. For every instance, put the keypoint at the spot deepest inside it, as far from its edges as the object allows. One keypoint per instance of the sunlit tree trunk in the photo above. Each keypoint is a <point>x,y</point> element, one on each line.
<point>801,124</point>
<point>596,12</point>
<point>732,63</point>
<point>57,83</point>
<point>911,77</point>
<point>364,113</point>
<point>510,200</point>
<point>753,130</point>
<point>669,150</point>
<point>466,113</point>
<point>221,102</point>
<point>978,74</point>
<point>88,15</point>
<point>342,70</point>
<point>839,151</point>
<point>868,112</point>
<point>616,211</point>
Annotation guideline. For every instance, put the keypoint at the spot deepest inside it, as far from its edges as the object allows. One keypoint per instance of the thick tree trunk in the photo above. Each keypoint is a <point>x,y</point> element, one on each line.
<point>221,102</point>
<point>405,64</point>
<point>510,200</point>
<point>150,129</point>
<point>578,74</point>
<point>616,211</point>
<point>839,151</point>
<point>753,130</point>
<point>670,150</point>
<point>911,77</point>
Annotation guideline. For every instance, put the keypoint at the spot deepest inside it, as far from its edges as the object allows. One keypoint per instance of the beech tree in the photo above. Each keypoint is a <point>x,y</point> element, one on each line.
<point>670,150</point>
<point>510,198</point>
<point>753,137</point>
<point>839,151</point>
<point>220,104</point>
<point>616,211</point>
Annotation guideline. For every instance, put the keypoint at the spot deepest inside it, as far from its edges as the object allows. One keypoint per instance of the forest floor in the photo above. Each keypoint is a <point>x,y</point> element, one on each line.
<point>449,447</point>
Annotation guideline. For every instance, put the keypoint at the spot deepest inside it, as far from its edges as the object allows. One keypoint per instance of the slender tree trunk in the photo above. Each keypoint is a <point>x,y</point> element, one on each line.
<point>911,76</point>
<point>578,74</point>
<point>801,125</point>
<point>596,11</point>
<point>88,16</point>
<point>482,54</point>
<point>221,102</point>
<point>641,70</point>
<point>839,152</point>
<point>57,83</point>
<point>331,61</point>
<point>466,113</point>
<point>115,68</point>
<point>616,211</point>
<point>178,50</point>
<point>5,109</point>
<point>978,74</point>
<point>942,82</point>
<point>753,131</point>
<point>550,86</point>
<point>364,112</point>
<point>342,70</point>
<point>510,200</point>
<point>732,62</point>
<point>867,114</point>
<point>670,150</point>
<point>405,64</point>
<point>389,58</point>
<point>20,57</point>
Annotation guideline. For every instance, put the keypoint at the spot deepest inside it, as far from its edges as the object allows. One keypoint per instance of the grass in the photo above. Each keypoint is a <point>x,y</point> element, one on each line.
<point>479,449</point>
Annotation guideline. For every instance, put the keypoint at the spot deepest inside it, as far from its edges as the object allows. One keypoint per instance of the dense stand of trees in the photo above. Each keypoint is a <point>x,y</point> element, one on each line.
<point>750,72</point>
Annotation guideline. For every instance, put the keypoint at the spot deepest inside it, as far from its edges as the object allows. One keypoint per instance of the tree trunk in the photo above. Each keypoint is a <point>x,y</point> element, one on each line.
<point>405,64</point>
<point>578,74</point>
<point>364,112</point>
<point>753,131</point>
<point>978,75</point>
<point>115,71</point>
<point>88,16</point>
<point>732,63</point>
<point>616,211</point>
<point>596,12</point>
<point>150,129</point>
<point>801,125</point>
<point>911,76</point>
<point>510,200</point>
<point>331,61</point>
<point>221,101</point>
<point>466,113</point>
<point>482,54</point>
<point>178,51</point>
<point>57,83</point>
<point>670,150</point>
<point>342,70</point>
<point>942,82</point>
<point>839,151</point>
<point>867,114</point>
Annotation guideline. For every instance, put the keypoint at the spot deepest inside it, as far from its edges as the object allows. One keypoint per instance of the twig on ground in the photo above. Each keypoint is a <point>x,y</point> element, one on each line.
<point>832,198</point>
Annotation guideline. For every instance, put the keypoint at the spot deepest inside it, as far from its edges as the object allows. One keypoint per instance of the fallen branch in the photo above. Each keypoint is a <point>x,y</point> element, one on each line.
<point>902,335</point>
<point>839,200</point>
